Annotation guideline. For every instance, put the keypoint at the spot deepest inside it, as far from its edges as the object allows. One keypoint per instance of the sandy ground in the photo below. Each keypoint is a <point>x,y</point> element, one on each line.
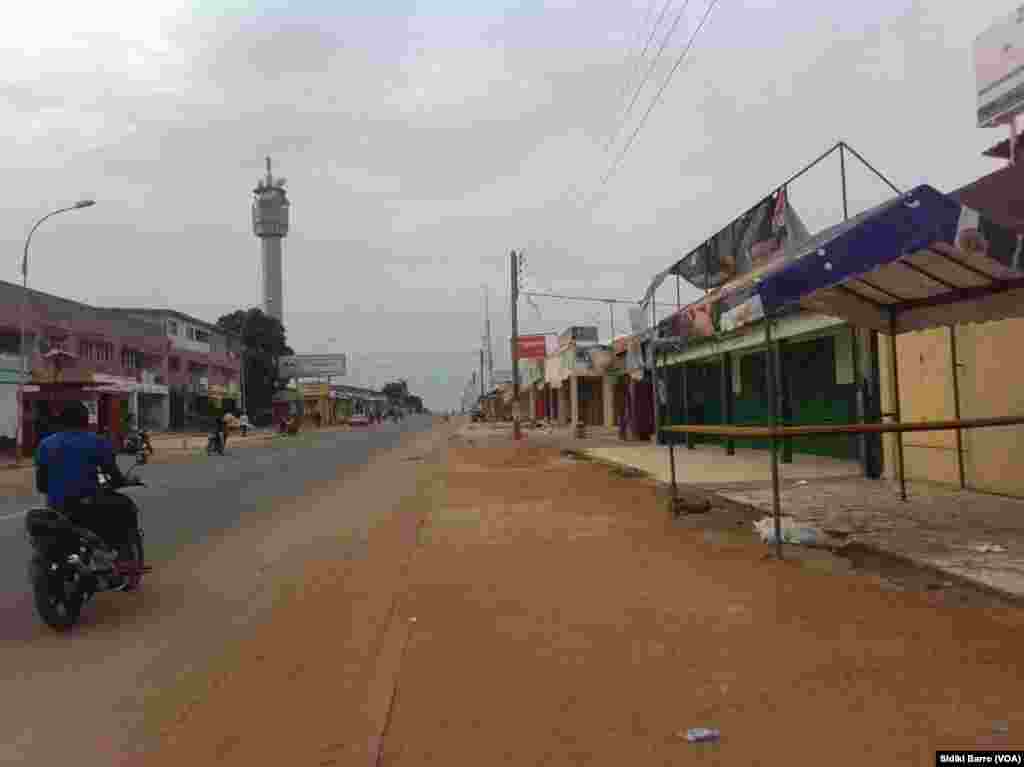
<point>522,608</point>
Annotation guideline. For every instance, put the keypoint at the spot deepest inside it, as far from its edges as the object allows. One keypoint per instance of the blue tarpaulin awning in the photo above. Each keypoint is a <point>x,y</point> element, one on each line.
<point>918,261</point>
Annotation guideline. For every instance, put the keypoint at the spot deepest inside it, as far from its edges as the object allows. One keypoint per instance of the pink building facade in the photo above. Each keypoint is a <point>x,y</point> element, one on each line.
<point>174,369</point>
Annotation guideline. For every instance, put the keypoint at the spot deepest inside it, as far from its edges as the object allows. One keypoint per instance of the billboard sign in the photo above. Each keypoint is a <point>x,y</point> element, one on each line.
<point>312,366</point>
<point>531,347</point>
<point>999,69</point>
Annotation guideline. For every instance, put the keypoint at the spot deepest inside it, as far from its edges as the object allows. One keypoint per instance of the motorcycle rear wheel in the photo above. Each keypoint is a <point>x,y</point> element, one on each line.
<point>56,605</point>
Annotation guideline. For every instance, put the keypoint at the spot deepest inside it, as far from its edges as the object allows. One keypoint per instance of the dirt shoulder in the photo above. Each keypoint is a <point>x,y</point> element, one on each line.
<point>550,612</point>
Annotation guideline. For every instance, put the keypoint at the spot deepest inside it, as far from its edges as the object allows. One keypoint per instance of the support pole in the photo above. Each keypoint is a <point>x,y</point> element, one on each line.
<point>772,391</point>
<point>782,393</point>
<point>654,370</point>
<point>686,404</point>
<point>842,176</point>
<point>514,261</point>
<point>956,406</point>
<point>672,467</point>
<point>896,405</point>
<point>727,403</point>
<point>859,405</point>
<point>482,392</point>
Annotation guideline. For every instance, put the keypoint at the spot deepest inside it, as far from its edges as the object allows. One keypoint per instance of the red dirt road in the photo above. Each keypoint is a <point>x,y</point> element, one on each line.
<point>562,618</point>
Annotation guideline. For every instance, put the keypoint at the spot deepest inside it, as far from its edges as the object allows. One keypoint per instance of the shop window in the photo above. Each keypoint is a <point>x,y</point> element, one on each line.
<point>130,359</point>
<point>97,351</point>
<point>195,334</point>
<point>10,343</point>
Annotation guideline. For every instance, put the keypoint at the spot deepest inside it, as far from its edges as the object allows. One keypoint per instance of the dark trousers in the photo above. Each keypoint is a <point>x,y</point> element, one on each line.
<point>112,516</point>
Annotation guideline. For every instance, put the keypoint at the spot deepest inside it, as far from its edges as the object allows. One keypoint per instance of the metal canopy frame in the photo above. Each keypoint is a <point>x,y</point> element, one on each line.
<point>920,261</point>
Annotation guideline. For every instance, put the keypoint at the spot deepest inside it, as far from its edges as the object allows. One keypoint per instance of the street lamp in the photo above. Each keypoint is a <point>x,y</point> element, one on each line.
<point>24,307</point>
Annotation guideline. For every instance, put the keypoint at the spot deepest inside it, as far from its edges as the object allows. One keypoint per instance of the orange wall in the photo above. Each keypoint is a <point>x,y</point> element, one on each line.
<point>990,379</point>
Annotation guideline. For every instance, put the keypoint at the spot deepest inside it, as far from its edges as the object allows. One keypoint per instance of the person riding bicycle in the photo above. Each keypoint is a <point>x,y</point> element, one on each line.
<point>67,464</point>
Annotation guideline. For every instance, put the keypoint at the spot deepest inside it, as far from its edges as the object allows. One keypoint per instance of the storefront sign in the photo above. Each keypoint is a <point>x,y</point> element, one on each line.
<point>999,69</point>
<point>531,347</point>
<point>312,366</point>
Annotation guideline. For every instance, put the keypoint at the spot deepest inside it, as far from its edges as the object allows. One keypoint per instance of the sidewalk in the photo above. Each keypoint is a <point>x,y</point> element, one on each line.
<point>940,527</point>
<point>550,612</point>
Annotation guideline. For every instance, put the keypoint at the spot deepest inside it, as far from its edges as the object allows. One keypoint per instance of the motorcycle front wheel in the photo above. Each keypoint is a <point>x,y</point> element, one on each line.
<point>57,599</point>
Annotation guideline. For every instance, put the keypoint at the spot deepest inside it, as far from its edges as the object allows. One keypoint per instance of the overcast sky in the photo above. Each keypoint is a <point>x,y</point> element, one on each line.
<point>423,141</point>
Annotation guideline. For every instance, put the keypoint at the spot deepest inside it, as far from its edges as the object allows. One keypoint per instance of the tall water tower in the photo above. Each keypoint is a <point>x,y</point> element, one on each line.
<point>270,224</point>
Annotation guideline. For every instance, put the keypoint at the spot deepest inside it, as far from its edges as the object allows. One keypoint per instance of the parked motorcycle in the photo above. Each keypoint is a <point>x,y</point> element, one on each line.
<point>71,564</point>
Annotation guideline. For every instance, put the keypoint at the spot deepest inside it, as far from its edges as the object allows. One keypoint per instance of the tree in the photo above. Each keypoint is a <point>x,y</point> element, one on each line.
<point>264,341</point>
<point>396,391</point>
<point>398,395</point>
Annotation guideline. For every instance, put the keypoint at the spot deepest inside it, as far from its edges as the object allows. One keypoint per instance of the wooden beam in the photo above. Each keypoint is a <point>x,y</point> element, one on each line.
<point>746,432</point>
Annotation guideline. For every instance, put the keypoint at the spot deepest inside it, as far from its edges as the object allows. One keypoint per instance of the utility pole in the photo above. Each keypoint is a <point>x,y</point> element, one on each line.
<point>487,338</point>
<point>514,262</point>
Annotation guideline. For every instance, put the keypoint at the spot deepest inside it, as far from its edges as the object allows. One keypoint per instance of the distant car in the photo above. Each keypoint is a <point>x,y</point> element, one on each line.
<point>359,420</point>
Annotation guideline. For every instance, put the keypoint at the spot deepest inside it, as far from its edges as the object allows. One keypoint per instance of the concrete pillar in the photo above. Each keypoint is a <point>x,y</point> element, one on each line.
<point>608,400</point>
<point>574,400</point>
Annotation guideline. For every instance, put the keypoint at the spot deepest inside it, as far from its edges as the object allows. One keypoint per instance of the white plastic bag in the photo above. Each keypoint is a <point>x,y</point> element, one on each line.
<point>801,535</point>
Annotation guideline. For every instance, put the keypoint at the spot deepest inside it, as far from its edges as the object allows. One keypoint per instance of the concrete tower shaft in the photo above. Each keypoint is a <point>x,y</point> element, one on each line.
<point>270,223</point>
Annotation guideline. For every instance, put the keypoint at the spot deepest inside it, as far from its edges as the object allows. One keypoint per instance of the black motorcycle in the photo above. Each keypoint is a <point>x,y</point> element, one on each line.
<point>215,444</point>
<point>71,564</point>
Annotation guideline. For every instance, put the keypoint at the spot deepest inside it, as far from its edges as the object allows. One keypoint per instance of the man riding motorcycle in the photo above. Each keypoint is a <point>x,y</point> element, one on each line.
<point>66,472</point>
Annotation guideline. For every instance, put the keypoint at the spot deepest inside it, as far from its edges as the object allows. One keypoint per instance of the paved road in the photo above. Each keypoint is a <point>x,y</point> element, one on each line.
<point>207,588</point>
<point>185,501</point>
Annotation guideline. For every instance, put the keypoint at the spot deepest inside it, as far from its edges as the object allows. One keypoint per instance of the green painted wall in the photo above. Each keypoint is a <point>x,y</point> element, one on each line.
<point>818,399</point>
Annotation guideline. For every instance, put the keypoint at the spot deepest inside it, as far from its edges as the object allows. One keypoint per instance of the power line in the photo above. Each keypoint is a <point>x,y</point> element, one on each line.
<point>657,97</point>
<point>650,38</point>
<point>631,53</point>
<point>579,298</point>
<point>647,75</point>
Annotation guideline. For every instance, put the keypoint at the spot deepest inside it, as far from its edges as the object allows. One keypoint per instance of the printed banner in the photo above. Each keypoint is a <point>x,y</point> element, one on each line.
<point>741,308</point>
<point>753,239</point>
<point>531,347</point>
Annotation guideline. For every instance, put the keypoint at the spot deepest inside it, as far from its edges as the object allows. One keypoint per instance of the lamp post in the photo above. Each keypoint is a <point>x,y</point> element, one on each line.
<point>24,308</point>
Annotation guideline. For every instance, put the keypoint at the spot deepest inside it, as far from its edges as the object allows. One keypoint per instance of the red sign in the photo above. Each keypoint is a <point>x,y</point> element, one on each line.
<point>531,347</point>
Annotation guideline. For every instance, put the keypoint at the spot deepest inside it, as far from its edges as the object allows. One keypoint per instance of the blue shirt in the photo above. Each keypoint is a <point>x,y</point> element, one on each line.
<point>71,459</point>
